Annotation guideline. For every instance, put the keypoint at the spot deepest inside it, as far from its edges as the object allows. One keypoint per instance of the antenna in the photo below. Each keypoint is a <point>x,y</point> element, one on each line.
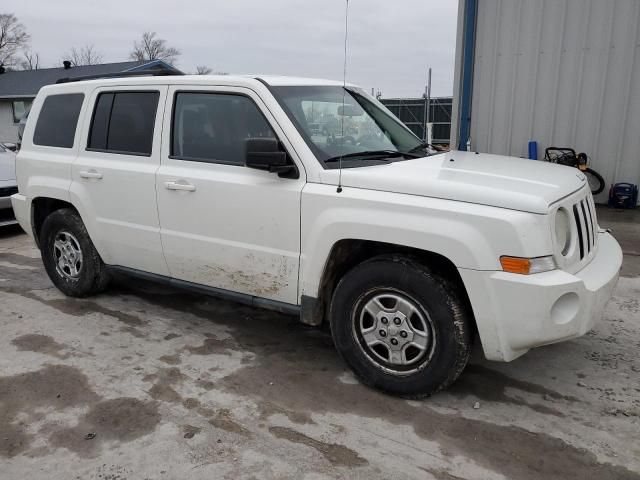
<point>344,88</point>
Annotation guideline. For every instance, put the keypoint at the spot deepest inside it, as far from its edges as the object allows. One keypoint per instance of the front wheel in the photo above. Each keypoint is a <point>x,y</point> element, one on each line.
<point>595,180</point>
<point>401,327</point>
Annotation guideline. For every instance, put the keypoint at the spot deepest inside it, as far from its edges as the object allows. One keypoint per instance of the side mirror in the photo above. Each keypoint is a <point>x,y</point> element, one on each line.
<point>266,154</point>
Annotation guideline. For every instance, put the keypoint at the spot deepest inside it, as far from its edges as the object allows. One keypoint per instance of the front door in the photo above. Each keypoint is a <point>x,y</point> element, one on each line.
<point>222,224</point>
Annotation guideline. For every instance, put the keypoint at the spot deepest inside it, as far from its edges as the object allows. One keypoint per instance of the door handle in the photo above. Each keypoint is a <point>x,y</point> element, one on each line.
<point>90,174</point>
<point>185,187</point>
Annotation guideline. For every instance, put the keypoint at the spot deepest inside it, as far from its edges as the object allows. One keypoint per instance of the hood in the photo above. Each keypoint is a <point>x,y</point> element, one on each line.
<point>7,165</point>
<point>494,180</point>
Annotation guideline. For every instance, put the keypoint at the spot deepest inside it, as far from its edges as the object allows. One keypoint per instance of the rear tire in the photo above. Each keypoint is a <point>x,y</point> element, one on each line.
<point>70,259</point>
<point>595,180</point>
<point>401,327</point>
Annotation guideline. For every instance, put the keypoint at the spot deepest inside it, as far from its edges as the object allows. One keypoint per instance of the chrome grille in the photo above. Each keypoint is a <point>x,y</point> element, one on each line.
<point>584,213</point>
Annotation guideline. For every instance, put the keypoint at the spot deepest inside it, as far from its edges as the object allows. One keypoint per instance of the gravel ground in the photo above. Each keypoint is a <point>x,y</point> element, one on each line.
<point>145,382</point>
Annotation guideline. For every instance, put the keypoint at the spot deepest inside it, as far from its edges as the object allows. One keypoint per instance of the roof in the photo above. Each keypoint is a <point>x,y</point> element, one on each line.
<point>26,83</point>
<point>248,81</point>
<point>278,80</point>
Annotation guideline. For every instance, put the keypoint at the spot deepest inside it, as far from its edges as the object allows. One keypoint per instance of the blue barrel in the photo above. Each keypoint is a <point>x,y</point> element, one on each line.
<point>533,150</point>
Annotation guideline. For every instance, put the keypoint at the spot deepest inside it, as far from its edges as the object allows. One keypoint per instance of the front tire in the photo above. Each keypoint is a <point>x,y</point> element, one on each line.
<point>70,259</point>
<point>401,327</point>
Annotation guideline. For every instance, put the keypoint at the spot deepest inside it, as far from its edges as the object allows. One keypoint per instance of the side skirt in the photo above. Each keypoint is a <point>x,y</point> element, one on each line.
<point>243,298</point>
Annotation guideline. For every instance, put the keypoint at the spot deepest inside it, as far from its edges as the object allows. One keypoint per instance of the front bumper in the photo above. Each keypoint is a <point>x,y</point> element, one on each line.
<point>515,313</point>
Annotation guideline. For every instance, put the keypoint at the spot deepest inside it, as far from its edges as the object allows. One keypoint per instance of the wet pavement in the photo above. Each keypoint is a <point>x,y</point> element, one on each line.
<point>147,382</point>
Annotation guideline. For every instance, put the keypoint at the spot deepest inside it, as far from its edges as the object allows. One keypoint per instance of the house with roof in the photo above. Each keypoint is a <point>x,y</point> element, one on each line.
<point>19,88</point>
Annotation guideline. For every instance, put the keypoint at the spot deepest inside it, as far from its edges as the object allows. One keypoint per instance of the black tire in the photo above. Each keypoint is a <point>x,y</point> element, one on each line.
<point>595,180</point>
<point>91,276</point>
<point>434,296</point>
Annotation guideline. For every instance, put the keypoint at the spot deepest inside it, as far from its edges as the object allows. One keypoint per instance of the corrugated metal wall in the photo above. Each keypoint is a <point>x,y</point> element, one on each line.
<point>564,73</point>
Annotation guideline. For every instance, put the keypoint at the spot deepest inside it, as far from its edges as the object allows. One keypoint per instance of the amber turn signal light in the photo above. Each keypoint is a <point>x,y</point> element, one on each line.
<point>527,266</point>
<point>516,265</point>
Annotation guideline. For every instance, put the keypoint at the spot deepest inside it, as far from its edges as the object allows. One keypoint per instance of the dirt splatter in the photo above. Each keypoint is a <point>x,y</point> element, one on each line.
<point>123,419</point>
<point>267,409</point>
<point>491,385</point>
<point>82,307</point>
<point>171,359</point>
<point>334,453</point>
<point>164,393</point>
<point>205,384</point>
<point>189,431</point>
<point>209,346</point>
<point>191,403</point>
<point>44,344</point>
<point>55,386</point>
<point>171,336</point>
<point>223,419</point>
<point>165,380</point>
<point>136,332</point>
<point>21,260</point>
<point>440,474</point>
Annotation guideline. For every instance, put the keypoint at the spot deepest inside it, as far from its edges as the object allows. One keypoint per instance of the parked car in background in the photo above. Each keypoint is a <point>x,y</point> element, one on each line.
<point>21,125</point>
<point>8,185</point>
<point>216,184</point>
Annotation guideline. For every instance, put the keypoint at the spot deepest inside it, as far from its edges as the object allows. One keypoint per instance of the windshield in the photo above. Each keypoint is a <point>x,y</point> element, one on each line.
<point>337,121</point>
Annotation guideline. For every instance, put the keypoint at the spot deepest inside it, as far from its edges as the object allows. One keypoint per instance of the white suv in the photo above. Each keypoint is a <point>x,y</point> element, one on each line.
<point>225,185</point>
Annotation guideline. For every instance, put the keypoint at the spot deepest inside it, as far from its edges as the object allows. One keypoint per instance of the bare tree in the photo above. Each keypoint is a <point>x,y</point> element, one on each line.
<point>152,48</point>
<point>30,60</point>
<point>86,55</point>
<point>203,70</point>
<point>13,37</point>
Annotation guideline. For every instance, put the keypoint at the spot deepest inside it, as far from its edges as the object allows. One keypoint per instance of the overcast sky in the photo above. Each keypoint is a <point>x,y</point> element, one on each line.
<point>391,43</point>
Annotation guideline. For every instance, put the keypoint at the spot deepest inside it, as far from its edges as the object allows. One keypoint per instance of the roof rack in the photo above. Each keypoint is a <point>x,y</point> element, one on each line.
<point>140,73</point>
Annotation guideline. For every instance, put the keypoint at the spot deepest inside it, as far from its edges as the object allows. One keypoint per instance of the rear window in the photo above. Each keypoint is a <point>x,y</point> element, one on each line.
<point>123,122</point>
<point>56,126</point>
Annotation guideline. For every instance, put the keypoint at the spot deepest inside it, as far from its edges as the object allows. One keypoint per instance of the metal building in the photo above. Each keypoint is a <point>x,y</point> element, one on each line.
<point>411,111</point>
<point>560,72</point>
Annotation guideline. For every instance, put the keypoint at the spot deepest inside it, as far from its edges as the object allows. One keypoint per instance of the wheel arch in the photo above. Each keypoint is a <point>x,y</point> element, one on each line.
<point>41,208</point>
<point>345,254</point>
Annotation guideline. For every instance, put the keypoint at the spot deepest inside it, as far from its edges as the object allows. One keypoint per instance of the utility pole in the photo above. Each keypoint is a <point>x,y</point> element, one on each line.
<point>427,106</point>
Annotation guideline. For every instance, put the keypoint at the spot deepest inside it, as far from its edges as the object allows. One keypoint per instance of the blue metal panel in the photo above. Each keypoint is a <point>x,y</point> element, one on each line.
<point>471,9</point>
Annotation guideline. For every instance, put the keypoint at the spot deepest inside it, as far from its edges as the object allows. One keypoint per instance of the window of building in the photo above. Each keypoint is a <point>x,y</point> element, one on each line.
<point>20,107</point>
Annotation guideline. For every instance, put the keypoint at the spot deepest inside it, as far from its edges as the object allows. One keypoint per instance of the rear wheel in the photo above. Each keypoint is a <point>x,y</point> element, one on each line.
<point>400,326</point>
<point>70,259</point>
<point>595,180</point>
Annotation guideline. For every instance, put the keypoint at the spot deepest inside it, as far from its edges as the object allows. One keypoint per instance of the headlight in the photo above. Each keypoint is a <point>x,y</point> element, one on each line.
<point>563,231</point>
<point>527,266</point>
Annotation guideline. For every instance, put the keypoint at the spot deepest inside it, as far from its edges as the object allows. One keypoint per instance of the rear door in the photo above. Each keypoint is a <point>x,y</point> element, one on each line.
<point>225,225</point>
<point>113,177</point>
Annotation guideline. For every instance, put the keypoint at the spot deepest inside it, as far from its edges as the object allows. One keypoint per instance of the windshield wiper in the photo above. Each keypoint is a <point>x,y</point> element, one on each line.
<point>371,153</point>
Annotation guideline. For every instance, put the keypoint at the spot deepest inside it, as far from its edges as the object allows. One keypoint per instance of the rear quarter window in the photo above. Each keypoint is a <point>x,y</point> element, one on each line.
<point>58,119</point>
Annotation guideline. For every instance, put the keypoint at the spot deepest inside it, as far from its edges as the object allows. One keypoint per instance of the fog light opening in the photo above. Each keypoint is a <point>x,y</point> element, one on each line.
<point>565,309</point>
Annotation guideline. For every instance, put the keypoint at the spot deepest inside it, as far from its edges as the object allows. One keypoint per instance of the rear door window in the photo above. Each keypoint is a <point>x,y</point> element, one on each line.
<point>123,122</point>
<point>58,119</point>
